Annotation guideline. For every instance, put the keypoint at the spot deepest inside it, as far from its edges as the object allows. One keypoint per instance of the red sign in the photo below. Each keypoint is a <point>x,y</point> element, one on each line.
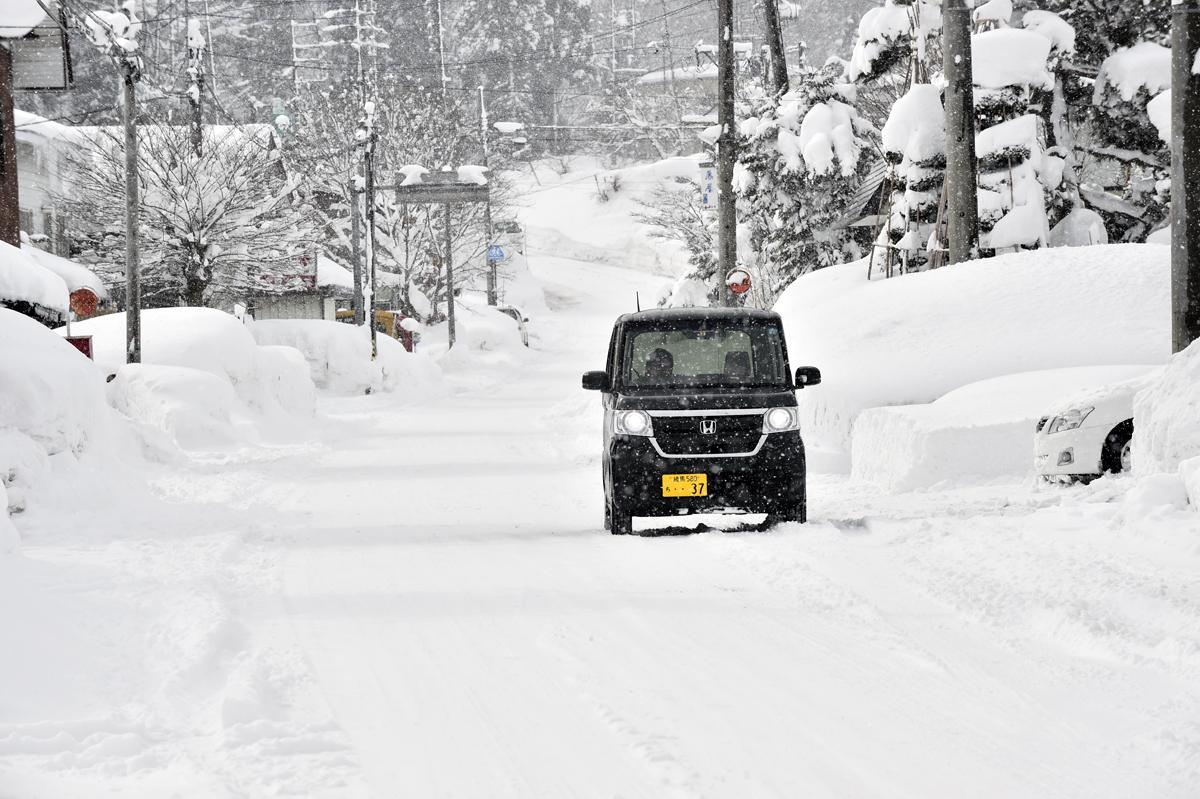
<point>82,343</point>
<point>738,281</point>
<point>84,302</point>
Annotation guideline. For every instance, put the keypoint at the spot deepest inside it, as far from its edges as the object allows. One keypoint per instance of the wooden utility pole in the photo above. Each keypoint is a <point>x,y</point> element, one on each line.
<point>449,280</point>
<point>195,91</point>
<point>1185,176</point>
<point>133,293</point>
<point>779,75</point>
<point>726,142</point>
<point>10,206</point>
<point>356,248</point>
<point>490,265</point>
<point>962,211</point>
<point>369,221</point>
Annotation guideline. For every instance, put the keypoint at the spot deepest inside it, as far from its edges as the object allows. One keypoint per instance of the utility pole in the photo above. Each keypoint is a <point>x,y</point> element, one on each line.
<point>133,295</point>
<point>449,280</point>
<point>441,45</point>
<point>367,137</point>
<point>779,76</point>
<point>491,265</point>
<point>962,209</point>
<point>726,141</point>
<point>195,91</point>
<point>1185,176</point>
<point>356,248</point>
<point>10,208</point>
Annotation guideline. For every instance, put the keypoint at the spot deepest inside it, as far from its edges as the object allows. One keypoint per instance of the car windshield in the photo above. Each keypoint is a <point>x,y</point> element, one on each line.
<point>704,353</point>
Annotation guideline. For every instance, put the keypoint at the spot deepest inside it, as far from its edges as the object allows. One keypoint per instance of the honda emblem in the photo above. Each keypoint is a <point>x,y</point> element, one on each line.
<point>708,426</point>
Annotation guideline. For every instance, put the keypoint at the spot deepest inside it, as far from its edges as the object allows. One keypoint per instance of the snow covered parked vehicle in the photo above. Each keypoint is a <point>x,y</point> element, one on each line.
<point>700,415</point>
<point>1091,433</point>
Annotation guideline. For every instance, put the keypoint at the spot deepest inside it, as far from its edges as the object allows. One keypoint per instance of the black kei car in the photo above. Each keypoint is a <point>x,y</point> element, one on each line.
<point>700,416</point>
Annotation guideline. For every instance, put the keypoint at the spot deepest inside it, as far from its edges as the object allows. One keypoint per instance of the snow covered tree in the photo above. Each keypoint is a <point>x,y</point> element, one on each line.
<point>798,163</point>
<point>1135,197</point>
<point>914,145</point>
<point>526,51</point>
<point>214,227</point>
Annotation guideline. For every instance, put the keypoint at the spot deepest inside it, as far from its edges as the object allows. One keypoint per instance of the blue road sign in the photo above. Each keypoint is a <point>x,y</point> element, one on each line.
<point>495,253</point>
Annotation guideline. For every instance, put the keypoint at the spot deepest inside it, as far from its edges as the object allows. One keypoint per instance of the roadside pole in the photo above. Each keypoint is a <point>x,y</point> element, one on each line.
<point>779,75</point>
<point>490,265</point>
<point>961,202</point>
<point>369,218</point>
<point>726,141</point>
<point>1185,175</point>
<point>133,296</point>
<point>449,280</point>
<point>10,209</point>
<point>356,249</point>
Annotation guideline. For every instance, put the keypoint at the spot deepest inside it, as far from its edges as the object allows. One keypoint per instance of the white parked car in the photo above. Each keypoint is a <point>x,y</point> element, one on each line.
<point>1089,434</point>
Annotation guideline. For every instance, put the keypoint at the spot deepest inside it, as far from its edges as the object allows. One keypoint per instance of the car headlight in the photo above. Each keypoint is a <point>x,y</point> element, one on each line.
<point>1069,420</point>
<point>632,423</point>
<point>780,420</point>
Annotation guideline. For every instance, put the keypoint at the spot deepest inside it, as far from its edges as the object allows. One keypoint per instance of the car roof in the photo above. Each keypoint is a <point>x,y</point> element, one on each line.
<point>660,315</point>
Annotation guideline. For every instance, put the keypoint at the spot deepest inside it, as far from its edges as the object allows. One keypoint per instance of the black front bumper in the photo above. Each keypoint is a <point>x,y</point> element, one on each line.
<point>771,481</point>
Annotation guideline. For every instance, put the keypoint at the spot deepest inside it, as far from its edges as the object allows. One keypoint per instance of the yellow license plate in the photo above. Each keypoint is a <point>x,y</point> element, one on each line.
<point>685,485</point>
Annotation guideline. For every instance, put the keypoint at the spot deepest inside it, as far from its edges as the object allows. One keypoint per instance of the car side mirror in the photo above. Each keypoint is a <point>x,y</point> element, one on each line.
<point>595,381</point>
<point>807,376</point>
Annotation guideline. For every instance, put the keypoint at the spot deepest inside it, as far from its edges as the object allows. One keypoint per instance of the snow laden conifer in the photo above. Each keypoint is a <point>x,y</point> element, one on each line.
<point>1127,91</point>
<point>799,160</point>
<point>914,145</point>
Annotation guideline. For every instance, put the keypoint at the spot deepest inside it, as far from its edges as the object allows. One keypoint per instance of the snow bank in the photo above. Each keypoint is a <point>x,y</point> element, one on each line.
<point>24,279</point>
<point>982,431</point>
<point>483,336</point>
<point>211,341</point>
<point>338,357</point>
<point>914,338</point>
<point>194,408</point>
<point>51,403</point>
<point>1167,418</point>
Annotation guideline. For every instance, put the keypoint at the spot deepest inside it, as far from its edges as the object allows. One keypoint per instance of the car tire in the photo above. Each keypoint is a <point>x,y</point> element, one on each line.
<point>616,521</point>
<point>1114,457</point>
<point>796,512</point>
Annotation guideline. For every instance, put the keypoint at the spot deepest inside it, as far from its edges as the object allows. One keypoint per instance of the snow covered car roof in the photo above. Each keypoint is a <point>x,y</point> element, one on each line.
<point>680,314</point>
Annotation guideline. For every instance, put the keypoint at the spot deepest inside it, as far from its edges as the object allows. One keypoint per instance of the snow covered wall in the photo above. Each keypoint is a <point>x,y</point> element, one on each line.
<point>911,340</point>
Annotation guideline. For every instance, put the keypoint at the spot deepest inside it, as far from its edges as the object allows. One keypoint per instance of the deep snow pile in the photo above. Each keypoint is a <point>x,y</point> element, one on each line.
<point>338,357</point>
<point>1167,423</point>
<point>51,404</point>
<point>981,431</point>
<point>270,380</point>
<point>483,336</point>
<point>914,338</point>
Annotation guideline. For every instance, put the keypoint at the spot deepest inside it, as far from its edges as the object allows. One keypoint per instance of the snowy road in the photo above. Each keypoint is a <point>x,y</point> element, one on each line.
<point>474,632</point>
<point>420,601</point>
